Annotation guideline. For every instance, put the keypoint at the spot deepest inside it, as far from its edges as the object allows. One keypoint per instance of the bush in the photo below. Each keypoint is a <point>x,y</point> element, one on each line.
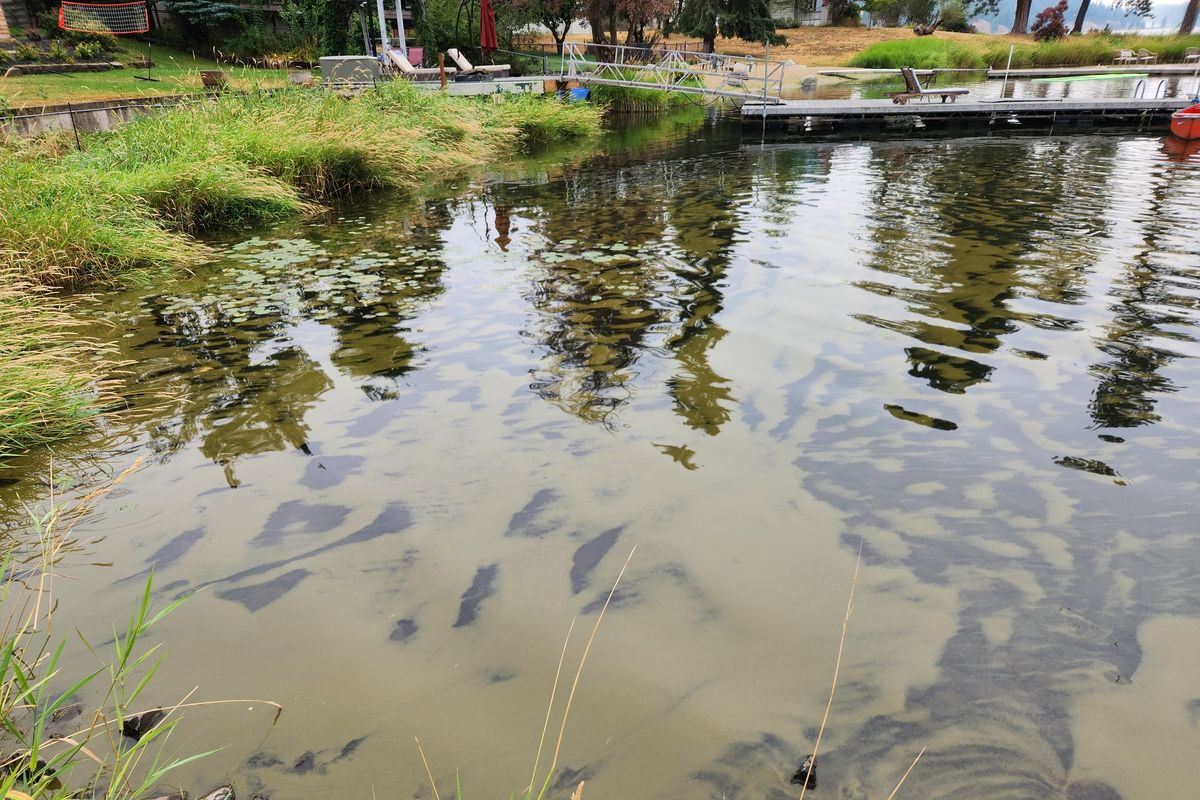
<point>107,44</point>
<point>954,18</point>
<point>88,51</point>
<point>1050,23</point>
<point>33,34</point>
<point>28,53</point>
<point>6,56</point>
<point>59,52</point>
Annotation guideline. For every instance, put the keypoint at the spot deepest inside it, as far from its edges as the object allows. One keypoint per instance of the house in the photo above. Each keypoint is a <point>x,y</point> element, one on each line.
<point>804,13</point>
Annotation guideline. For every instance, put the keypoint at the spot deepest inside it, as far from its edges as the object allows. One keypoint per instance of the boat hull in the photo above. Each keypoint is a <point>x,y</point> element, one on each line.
<point>1186,123</point>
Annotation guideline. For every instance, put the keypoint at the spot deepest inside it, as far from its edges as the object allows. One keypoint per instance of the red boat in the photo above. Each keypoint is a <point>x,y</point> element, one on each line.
<point>1185,123</point>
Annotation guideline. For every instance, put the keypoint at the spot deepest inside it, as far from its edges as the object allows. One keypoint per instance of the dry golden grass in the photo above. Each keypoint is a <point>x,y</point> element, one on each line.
<point>834,47</point>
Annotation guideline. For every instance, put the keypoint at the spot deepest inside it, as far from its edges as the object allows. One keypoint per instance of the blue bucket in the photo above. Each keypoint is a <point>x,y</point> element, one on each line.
<point>580,94</point>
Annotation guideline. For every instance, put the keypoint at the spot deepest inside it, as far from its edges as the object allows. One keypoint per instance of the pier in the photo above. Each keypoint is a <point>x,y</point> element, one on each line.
<point>815,116</point>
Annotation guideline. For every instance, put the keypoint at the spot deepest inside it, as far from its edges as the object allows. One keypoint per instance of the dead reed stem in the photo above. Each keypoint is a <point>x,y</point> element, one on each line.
<point>904,777</point>
<point>550,706</point>
<point>837,666</point>
<point>428,771</point>
<point>571,696</point>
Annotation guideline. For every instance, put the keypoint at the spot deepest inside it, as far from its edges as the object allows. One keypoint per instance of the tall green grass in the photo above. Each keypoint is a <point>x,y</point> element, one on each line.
<point>48,387</point>
<point>125,200</point>
<point>1074,51</point>
<point>923,53</point>
<point>1090,50</point>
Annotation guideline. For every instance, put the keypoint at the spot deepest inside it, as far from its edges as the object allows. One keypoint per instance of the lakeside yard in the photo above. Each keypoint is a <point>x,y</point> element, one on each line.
<point>176,71</point>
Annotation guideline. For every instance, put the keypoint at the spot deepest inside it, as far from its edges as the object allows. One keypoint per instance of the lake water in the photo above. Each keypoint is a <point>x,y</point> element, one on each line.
<point>398,448</point>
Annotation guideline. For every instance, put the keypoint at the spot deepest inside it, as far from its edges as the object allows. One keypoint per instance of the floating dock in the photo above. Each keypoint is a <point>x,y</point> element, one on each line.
<point>817,116</point>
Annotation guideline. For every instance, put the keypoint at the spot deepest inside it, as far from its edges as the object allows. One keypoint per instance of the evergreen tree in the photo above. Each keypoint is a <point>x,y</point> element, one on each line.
<point>745,19</point>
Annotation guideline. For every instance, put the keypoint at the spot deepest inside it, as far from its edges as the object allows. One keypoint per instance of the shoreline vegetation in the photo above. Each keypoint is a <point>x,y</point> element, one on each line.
<point>127,204</point>
<point>965,53</point>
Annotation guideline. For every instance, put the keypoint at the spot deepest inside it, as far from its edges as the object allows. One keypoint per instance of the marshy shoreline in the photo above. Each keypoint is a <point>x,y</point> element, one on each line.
<point>126,206</point>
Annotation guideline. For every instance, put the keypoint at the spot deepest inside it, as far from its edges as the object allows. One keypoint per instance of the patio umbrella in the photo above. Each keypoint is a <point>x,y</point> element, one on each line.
<point>487,27</point>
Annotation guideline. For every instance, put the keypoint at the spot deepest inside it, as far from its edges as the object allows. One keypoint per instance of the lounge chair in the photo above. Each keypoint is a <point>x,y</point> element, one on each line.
<point>913,88</point>
<point>1191,54</point>
<point>1144,56</point>
<point>1125,57</point>
<point>401,63</point>
<point>466,67</point>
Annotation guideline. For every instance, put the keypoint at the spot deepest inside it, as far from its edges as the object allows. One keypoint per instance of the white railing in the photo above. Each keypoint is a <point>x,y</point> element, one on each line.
<point>666,69</point>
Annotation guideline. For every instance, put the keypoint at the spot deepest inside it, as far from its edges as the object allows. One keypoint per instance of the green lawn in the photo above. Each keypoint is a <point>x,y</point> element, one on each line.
<point>177,72</point>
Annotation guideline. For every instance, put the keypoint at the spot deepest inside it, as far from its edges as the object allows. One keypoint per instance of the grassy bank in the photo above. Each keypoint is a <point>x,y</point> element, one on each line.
<point>130,198</point>
<point>127,203</point>
<point>982,51</point>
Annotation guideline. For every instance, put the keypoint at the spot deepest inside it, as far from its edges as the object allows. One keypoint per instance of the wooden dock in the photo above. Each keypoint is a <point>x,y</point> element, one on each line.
<point>817,116</point>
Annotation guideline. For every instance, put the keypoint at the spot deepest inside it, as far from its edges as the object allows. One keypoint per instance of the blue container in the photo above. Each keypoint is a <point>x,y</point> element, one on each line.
<point>580,94</point>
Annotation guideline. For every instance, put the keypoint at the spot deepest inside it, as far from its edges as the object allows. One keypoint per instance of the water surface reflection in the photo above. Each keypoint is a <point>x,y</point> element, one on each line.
<point>405,443</point>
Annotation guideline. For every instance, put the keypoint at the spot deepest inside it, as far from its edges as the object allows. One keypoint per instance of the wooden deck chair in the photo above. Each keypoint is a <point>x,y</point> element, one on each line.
<point>1125,57</point>
<point>402,65</point>
<point>466,67</point>
<point>1191,54</point>
<point>913,88</point>
<point>1144,56</point>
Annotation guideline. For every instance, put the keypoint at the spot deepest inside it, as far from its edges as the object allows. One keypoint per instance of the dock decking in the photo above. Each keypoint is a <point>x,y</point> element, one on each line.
<point>821,115</point>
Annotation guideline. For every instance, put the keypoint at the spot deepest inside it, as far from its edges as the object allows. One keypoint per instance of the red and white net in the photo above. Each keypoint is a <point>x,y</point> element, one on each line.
<point>107,18</point>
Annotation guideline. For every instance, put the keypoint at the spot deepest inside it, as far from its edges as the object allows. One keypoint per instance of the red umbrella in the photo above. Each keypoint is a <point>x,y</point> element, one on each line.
<point>487,27</point>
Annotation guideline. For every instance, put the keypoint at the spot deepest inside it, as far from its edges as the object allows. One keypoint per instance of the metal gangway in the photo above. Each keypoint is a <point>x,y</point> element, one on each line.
<point>671,70</point>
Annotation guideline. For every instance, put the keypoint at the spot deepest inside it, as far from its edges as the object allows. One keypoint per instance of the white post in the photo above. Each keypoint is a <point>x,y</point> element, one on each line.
<point>382,25</point>
<point>1004,83</point>
<point>400,28</point>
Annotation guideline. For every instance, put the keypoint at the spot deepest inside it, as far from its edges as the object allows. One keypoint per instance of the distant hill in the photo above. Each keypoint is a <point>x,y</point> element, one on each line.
<point>1166,15</point>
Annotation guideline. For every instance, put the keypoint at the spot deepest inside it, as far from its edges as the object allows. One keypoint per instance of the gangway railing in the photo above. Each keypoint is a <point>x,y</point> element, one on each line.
<point>670,70</point>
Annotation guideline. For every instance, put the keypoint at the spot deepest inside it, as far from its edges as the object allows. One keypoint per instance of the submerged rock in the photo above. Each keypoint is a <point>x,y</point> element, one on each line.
<point>220,793</point>
<point>138,726</point>
<point>807,773</point>
<point>305,763</point>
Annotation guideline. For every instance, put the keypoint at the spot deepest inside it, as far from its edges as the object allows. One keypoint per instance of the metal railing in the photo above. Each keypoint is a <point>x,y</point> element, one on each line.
<point>672,70</point>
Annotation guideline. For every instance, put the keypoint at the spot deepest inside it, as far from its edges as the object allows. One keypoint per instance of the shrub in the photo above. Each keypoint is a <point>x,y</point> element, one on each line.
<point>6,56</point>
<point>88,51</point>
<point>107,44</point>
<point>1050,23</point>
<point>28,52</point>
<point>59,52</point>
<point>954,18</point>
<point>33,34</point>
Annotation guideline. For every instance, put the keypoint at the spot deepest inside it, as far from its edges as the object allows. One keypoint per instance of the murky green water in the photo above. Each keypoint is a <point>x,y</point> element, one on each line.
<point>407,443</point>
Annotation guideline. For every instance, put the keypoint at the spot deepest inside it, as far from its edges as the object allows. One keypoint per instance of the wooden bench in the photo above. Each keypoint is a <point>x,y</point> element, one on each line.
<point>913,88</point>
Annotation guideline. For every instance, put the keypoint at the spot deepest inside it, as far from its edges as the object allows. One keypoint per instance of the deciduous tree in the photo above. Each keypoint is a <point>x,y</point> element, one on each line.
<point>1137,8</point>
<point>556,16</point>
